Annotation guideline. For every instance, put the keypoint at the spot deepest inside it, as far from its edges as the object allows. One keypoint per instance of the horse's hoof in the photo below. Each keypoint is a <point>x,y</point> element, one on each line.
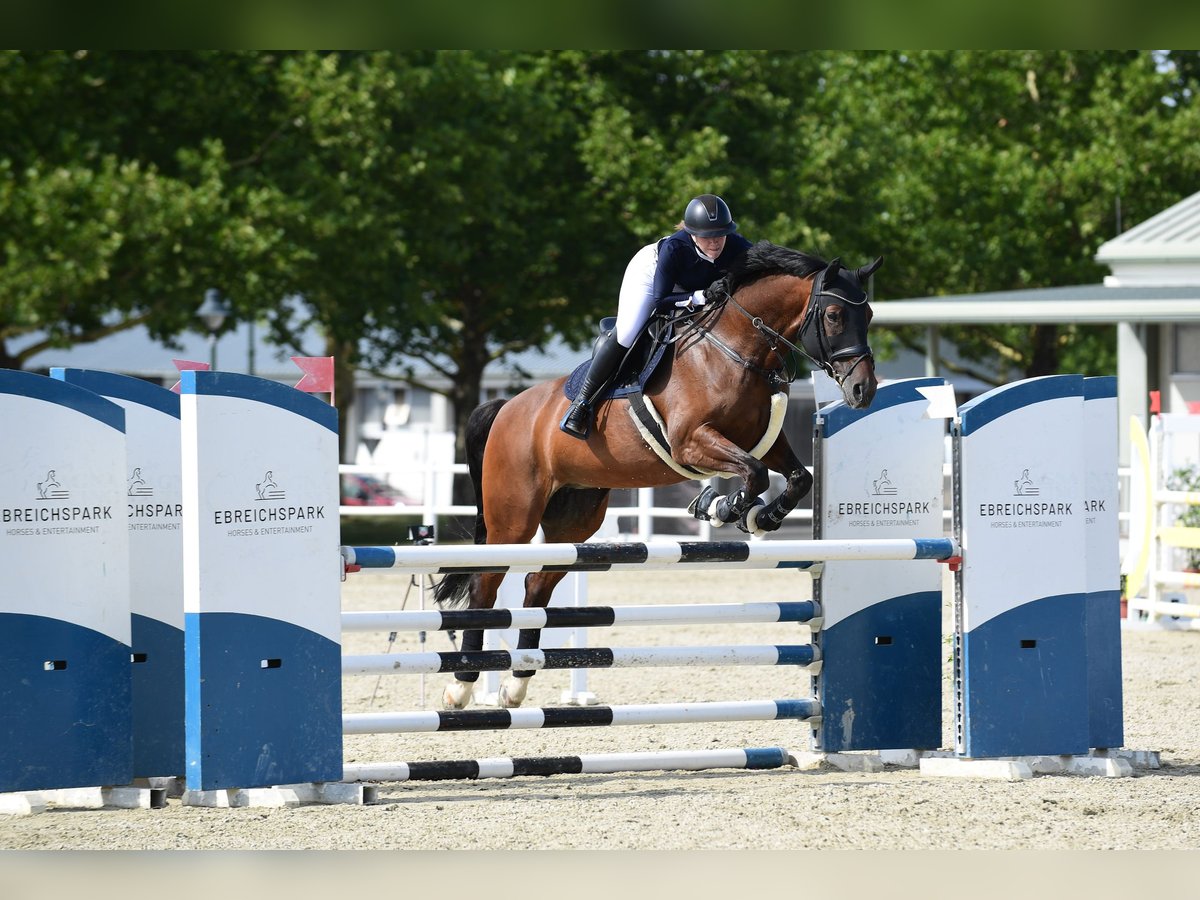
<point>512,693</point>
<point>456,695</point>
<point>749,522</point>
<point>702,505</point>
<point>730,508</point>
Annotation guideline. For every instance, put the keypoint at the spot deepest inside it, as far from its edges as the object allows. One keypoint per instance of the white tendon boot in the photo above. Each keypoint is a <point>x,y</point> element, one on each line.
<point>512,692</point>
<point>457,694</point>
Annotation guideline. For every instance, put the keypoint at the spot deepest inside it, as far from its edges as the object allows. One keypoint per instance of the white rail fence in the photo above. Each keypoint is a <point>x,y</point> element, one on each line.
<point>436,500</point>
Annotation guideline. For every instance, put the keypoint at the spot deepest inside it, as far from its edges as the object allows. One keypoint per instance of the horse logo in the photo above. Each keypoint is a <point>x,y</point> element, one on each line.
<point>47,489</point>
<point>882,486</point>
<point>137,485</point>
<point>267,489</point>
<point>1024,486</point>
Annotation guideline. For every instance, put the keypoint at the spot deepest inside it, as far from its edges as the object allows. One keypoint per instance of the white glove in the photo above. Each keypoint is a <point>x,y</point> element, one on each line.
<point>697,299</point>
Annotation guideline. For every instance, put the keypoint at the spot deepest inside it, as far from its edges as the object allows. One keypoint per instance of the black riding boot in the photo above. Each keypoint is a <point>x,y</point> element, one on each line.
<point>608,355</point>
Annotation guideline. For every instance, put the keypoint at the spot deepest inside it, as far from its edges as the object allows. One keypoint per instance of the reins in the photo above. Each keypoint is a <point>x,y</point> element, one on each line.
<point>785,373</point>
<point>699,325</point>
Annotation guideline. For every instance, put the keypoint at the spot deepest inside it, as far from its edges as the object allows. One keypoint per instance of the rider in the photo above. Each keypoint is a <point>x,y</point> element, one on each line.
<point>675,269</point>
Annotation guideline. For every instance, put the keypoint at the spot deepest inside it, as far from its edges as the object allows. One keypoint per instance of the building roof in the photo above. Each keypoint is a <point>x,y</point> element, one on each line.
<point>1084,304</point>
<point>134,352</point>
<point>1171,236</point>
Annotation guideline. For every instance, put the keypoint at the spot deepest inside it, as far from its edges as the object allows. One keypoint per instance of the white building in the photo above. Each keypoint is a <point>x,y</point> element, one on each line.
<point>1160,257</point>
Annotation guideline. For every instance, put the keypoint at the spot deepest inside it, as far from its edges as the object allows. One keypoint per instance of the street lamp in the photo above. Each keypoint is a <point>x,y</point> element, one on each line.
<point>213,312</point>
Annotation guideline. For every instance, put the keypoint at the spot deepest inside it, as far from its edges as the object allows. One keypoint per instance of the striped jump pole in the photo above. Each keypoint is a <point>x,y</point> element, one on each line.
<point>442,559</point>
<point>579,717</point>
<point>578,658</point>
<point>585,764</point>
<point>803,611</point>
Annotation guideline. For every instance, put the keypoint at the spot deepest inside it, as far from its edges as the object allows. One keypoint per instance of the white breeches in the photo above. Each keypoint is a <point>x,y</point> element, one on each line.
<point>636,301</point>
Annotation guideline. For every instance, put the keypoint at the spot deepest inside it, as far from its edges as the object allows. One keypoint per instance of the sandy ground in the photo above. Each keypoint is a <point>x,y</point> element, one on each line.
<point>785,809</point>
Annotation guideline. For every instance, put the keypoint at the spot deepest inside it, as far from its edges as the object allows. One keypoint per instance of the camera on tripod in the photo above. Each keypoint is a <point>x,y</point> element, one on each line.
<point>422,534</point>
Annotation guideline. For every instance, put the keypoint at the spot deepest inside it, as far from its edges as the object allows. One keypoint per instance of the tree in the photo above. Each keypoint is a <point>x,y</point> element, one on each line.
<point>119,203</point>
<point>451,208</point>
<point>465,199</point>
<point>987,171</point>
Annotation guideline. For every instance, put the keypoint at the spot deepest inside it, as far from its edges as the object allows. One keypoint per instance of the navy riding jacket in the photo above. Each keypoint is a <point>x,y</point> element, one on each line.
<point>680,265</point>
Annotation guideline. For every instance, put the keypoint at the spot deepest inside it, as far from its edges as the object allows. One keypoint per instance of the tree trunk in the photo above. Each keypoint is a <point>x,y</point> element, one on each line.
<point>1044,356</point>
<point>465,396</point>
<point>7,360</point>
<point>344,358</point>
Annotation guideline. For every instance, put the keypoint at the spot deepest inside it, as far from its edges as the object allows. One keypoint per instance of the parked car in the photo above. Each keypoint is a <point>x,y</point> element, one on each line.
<point>367,490</point>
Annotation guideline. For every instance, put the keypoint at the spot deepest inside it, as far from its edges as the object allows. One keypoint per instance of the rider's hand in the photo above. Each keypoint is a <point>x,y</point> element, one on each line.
<point>697,299</point>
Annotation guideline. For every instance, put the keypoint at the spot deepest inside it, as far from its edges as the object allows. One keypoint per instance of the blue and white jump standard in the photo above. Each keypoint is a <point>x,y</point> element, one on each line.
<point>262,663</point>
<point>153,508</point>
<point>1024,685</point>
<point>1102,533</point>
<point>879,471</point>
<point>66,710</point>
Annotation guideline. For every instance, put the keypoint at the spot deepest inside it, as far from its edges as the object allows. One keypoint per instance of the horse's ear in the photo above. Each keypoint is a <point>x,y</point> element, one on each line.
<point>865,272</point>
<point>834,265</point>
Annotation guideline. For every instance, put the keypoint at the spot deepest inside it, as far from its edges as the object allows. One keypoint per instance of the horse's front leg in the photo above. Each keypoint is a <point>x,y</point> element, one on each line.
<point>707,448</point>
<point>780,458</point>
<point>457,694</point>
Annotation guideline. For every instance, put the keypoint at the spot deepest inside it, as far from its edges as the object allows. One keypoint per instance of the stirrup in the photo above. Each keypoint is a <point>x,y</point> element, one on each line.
<point>577,429</point>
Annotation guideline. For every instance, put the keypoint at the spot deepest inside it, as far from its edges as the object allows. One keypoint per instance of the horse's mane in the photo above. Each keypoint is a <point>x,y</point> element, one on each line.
<point>765,258</point>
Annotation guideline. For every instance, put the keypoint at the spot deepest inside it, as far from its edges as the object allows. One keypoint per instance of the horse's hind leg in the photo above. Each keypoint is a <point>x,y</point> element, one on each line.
<point>457,694</point>
<point>572,516</point>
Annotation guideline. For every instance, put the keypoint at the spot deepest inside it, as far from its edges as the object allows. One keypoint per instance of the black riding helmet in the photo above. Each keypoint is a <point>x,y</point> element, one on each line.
<point>708,216</point>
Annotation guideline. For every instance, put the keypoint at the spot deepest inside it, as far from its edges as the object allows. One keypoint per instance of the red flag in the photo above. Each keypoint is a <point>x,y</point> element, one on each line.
<point>318,374</point>
<point>188,365</point>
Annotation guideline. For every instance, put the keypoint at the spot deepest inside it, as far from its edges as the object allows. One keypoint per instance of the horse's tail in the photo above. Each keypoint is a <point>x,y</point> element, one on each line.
<point>452,589</point>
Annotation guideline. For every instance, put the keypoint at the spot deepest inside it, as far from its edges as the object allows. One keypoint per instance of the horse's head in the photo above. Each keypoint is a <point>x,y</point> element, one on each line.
<point>820,306</point>
<point>834,331</point>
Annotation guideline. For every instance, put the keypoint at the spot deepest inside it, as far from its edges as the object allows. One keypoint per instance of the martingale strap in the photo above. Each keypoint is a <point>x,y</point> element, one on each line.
<point>653,431</point>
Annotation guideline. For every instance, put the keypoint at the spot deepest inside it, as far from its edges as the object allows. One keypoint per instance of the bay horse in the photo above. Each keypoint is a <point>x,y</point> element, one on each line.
<point>719,395</point>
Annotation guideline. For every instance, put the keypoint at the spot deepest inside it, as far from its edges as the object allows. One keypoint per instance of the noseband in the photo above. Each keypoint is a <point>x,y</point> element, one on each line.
<point>813,339</point>
<point>814,343</point>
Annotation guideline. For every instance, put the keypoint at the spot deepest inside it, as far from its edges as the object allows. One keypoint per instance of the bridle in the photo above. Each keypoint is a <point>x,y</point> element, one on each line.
<point>814,342</point>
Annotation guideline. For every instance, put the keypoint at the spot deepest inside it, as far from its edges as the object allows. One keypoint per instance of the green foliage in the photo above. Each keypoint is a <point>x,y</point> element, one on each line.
<point>119,204</point>
<point>454,207</point>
